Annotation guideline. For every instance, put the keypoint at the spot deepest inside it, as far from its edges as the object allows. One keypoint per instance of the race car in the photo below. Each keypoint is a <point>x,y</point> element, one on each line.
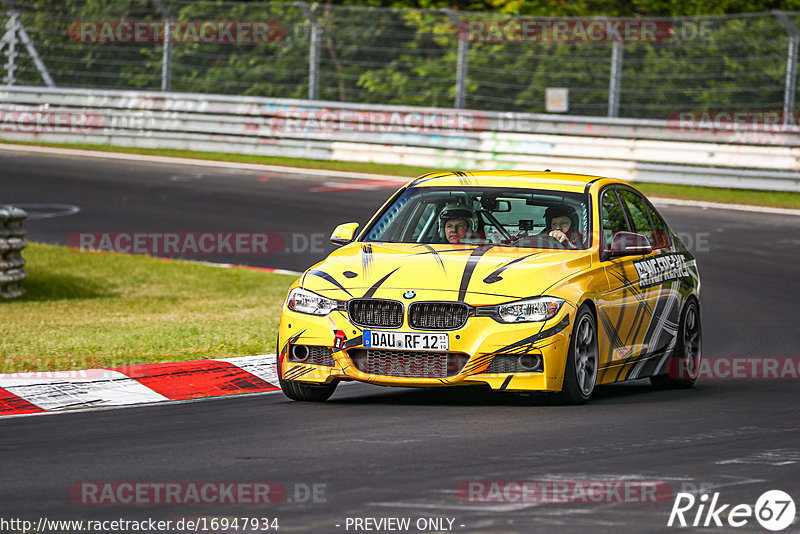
<point>519,281</point>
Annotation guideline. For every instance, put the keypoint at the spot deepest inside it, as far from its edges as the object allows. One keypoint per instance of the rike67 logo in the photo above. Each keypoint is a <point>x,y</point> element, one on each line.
<point>774,510</point>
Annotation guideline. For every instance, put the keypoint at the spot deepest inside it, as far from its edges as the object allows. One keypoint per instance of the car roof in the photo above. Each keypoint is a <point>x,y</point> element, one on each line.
<point>558,181</point>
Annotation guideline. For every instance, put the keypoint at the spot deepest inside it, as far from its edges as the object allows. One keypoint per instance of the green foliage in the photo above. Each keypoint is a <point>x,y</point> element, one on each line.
<point>406,53</point>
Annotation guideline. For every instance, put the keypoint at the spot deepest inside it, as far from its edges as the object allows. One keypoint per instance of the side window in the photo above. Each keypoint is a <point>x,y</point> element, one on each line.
<point>660,234</point>
<point>423,222</point>
<point>637,213</point>
<point>613,218</point>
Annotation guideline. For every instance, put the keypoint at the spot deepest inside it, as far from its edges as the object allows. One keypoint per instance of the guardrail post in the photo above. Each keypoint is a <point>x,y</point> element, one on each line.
<point>313,61</point>
<point>12,241</point>
<point>315,40</point>
<point>461,62</point>
<point>166,58</point>
<point>166,54</point>
<point>790,87</point>
<point>615,83</point>
<point>10,42</point>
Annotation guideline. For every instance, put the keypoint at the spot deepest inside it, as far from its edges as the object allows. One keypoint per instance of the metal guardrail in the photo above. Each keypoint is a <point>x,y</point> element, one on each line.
<point>727,155</point>
<point>12,242</point>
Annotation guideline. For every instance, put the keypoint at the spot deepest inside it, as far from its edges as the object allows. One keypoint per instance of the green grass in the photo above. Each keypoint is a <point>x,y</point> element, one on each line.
<point>87,310</point>
<point>775,199</point>
<point>713,194</point>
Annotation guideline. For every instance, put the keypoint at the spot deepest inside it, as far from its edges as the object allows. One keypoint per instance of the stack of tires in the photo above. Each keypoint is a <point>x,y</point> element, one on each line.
<point>12,241</point>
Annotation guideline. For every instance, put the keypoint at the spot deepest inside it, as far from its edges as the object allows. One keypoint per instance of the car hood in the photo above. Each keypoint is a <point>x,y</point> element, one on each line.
<point>477,274</point>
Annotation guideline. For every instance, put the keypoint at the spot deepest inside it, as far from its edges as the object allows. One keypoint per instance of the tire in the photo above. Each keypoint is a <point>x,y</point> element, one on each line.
<point>580,372</point>
<point>684,365</point>
<point>307,392</point>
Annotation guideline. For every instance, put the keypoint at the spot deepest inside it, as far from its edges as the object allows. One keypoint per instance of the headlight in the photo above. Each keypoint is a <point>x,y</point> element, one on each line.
<point>304,301</point>
<point>523,311</point>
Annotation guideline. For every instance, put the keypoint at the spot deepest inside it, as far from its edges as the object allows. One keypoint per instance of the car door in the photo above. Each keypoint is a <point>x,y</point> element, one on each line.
<point>658,329</point>
<point>661,273</point>
<point>627,306</point>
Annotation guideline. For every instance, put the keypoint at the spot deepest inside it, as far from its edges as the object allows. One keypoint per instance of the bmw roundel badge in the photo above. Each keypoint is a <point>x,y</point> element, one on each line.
<point>409,295</point>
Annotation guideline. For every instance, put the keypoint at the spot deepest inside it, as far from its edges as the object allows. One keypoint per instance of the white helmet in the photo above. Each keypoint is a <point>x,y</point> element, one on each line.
<point>457,210</point>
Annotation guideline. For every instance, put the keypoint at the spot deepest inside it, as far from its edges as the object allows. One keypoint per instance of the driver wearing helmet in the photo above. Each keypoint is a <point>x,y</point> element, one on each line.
<point>561,223</point>
<point>456,221</point>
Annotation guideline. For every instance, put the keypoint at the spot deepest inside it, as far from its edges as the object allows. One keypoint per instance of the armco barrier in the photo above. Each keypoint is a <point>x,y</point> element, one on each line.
<point>637,150</point>
<point>12,241</point>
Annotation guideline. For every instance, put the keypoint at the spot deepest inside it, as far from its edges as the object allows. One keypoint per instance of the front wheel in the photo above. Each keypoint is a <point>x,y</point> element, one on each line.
<point>580,373</point>
<point>307,392</point>
<point>684,365</point>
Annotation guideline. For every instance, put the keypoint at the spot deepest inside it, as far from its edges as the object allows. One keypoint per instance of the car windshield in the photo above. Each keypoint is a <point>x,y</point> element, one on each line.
<point>525,218</point>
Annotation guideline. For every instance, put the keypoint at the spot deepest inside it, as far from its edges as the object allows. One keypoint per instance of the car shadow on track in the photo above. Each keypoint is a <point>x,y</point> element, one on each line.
<point>633,392</point>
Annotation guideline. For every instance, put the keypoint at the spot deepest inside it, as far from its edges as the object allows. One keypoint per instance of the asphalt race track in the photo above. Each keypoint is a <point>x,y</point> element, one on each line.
<point>375,452</point>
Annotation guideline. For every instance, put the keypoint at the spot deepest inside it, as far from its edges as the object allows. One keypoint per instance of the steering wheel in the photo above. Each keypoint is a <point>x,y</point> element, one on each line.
<point>541,241</point>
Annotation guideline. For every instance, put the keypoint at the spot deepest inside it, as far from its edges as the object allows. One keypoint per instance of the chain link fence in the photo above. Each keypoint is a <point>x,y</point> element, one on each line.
<point>636,68</point>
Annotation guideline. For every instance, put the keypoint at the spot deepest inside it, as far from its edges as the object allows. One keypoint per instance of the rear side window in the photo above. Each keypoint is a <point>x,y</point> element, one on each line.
<point>660,233</point>
<point>613,218</point>
<point>637,213</point>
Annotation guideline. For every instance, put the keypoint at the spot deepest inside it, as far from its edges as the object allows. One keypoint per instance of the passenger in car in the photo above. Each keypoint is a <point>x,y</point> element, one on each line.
<point>561,223</point>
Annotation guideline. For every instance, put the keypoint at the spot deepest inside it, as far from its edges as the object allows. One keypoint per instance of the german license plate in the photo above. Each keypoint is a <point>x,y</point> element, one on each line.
<point>417,341</point>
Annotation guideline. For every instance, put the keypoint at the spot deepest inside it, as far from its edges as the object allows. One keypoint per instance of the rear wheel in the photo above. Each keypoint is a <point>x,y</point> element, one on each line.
<point>307,392</point>
<point>580,373</point>
<point>684,365</point>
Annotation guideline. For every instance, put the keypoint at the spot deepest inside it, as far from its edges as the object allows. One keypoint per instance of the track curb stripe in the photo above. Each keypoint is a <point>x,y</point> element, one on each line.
<point>31,393</point>
<point>11,404</point>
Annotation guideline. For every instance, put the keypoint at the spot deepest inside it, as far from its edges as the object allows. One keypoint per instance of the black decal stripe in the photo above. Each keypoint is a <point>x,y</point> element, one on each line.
<point>472,262</point>
<point>625,287</point>
<point>641,297</point>
<point>296,372</point>
<point>537,346</point>
<point>651,365</point>
<point>611,333</point>
<point>328,278</point>
<point>446,251</point>
<point>624,368</point>
<point>293,372</point>
<point>291,340</point>
<point>495,276</point>
<point>480,362</point>
<point>371,291</point>
<point>506,381</point>
<point>632,287</point>
<point>436,255</point>
<point>366,259</point>
<point>644,307</point>
<point>524,345</point>
<point>630,339</point>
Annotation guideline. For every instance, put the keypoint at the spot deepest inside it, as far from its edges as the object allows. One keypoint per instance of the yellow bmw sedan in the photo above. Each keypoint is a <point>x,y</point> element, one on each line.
<point>519,281</point>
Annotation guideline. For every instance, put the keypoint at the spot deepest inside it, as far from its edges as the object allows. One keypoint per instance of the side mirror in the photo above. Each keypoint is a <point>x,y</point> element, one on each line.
<point>344,233</point>
<point>629,244</point>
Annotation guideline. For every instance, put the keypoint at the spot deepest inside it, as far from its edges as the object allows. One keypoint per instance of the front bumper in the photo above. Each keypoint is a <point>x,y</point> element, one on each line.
<point>481,339</point>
